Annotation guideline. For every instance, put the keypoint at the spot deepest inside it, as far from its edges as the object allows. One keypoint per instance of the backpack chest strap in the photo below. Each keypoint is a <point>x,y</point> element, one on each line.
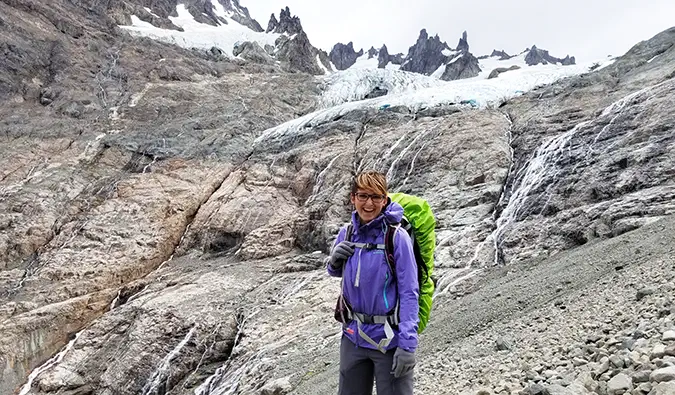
<point>370,246</point>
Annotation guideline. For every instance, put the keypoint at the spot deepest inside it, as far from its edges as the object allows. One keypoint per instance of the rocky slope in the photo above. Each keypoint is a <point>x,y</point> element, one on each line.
<point>158,232</point>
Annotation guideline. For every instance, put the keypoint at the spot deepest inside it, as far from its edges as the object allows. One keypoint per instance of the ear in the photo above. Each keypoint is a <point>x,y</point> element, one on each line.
<point>351,198</point>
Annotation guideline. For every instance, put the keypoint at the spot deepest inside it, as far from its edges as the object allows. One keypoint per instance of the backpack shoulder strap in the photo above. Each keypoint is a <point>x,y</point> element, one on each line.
<point>349,232</point>
<point>389,246</point>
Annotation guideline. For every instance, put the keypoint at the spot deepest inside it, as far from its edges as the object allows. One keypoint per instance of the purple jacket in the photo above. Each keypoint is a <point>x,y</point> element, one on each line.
<point>376,293</point>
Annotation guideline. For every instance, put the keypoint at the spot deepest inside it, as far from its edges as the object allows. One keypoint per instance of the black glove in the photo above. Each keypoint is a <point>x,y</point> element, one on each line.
<point>340,254</point>
<point>404,362</point>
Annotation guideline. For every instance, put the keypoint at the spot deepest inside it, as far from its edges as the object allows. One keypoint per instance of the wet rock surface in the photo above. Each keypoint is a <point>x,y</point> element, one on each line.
<point>148,234</point>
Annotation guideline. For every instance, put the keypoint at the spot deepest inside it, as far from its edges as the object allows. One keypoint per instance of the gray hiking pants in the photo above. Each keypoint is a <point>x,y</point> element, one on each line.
<point>359,366</point>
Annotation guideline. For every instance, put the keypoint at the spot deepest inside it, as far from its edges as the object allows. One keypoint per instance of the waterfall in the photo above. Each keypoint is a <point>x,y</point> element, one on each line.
<point>159,376</point>
<point>542,166</point>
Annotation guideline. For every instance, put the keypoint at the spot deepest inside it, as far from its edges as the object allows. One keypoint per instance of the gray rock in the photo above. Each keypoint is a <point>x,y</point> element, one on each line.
<point>280,386</point>
<point>619,384</point>
<point>540,56</point>
<point>287,23</point>
<point>502,345</point>
<point>641,376</point>
<point>643,389</point>
<point>343,56</point>
<point>617,361</point>
<point>385,58</point>
<point>253,52</point>
<point>665,388</point>
<point>663,374</point>
<point>658,351</point>
<point>463,45</point>
<point>298,54</point>
<point>502,55</point>
<point>535,389</point>
<point>464,67</point>
<point>642,292</point>
<point>668,335</point>
<point>426,55</point>
<point>495,73</point>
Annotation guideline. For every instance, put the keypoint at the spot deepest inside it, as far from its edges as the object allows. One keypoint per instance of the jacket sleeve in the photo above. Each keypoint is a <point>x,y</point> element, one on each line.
<point>408,290</point>
<point>338,240</point>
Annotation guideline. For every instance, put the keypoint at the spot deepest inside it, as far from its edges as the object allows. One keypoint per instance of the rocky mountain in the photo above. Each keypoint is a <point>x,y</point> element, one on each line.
<point>166,211</point>
<point>540,56</point>
<point>431,56</point>
<point>344,56</point>
<point>293,46</point>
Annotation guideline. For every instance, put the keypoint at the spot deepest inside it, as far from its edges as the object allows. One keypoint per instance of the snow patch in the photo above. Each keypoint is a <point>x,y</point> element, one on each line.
<point>650,60</point>
<point>456,58</point>
<point>151,13</point>
<point>449,52</point>
<point>439,72</point>
<point>318,60</point>
<point>201,35</point>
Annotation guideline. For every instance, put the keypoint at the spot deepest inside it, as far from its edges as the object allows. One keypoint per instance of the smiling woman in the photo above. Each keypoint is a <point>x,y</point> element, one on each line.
<point>378,304</point>
<point>369,196</point>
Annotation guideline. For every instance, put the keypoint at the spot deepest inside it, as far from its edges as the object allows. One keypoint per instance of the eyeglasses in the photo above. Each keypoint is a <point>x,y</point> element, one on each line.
<point>363,197</point>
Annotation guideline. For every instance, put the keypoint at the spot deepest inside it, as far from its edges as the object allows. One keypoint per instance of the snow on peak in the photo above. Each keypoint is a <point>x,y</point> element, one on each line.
<point>202,35</point>
<point>449,52</point>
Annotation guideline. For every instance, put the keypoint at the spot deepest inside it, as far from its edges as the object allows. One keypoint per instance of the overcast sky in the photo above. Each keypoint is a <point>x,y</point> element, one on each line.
<point>587,29</point>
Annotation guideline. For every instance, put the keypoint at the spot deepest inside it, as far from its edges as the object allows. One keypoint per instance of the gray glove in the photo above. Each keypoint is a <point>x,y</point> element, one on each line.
<point>340,254</point>
<point>404,362</point>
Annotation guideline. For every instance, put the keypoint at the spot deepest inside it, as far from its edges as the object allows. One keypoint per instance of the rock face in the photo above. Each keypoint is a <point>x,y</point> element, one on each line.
<point>540,56</point>
<point>293,48</point>
<point>287,23</point>
<point>384,58</point>
<point>163,233</point>
<point>463,45</point>
<point>426,56</point>
<point>502,55</point>
<point>495,73</point>
<point>253,52</point>
<point>343,56</point>
<point>465,66</point>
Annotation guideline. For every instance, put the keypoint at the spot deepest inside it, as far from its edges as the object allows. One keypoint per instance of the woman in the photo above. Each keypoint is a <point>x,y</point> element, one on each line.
<point>378,308</point>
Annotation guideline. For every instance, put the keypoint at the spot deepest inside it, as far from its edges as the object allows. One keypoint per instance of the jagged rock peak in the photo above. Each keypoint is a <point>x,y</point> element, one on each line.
<point>466,66</point>
<point>372,52</point>
<point>384,58</point>
<point>502,54</point>
<point>463,44</point>
<point>287,23</point>
<point>426,56</point>
<point>541,56</point>
<point>272,24</point>
<point>343,56</point>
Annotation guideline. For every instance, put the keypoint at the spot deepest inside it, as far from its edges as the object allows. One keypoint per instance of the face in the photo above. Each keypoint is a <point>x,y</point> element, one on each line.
<point>368,204</point>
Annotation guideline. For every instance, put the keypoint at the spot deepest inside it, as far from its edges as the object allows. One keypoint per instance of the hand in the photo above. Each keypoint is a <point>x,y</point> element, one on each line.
<point>404,362</point>
<point>340,254</point>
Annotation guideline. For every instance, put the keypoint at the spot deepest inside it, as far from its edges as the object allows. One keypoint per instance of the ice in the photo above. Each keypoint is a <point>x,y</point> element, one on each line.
<point>449,52</point>
<point>344,90</point>
<point>201,35</point>
<point>355,84</point>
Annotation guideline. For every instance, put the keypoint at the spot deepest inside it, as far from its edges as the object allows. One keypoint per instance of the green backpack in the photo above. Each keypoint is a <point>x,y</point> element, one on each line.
<point>419,222</point>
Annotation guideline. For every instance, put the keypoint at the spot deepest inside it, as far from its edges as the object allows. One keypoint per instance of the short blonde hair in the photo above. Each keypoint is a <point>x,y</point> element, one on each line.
<point>370,180</point>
